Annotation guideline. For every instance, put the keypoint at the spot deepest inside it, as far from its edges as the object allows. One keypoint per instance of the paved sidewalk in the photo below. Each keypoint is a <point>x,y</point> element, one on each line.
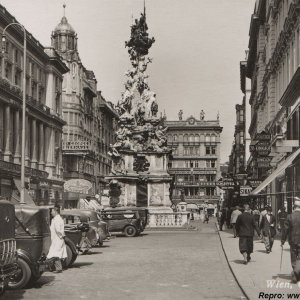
<point>262,271</point>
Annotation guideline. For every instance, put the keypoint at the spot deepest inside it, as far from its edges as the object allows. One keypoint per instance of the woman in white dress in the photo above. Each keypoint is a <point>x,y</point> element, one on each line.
<point>58,246</point>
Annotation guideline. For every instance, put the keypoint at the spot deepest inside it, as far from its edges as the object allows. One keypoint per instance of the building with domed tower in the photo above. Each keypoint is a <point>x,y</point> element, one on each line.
<point>85,136</point>
<point>195,163</point>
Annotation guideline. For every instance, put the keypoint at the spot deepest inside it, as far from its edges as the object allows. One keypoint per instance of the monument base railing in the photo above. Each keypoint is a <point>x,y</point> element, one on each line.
<point>168,219</point>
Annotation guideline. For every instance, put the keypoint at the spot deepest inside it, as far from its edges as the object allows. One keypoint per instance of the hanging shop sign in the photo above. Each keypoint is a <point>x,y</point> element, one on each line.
<point>263,162</point>
<point>254,183</point>
<point>245,190</point>
<point>225,183</point>
<point>263,148</point>
<point>263,136</point>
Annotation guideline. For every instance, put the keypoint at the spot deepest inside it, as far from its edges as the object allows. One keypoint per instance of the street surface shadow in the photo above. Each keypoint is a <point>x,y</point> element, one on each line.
<point>92,253</point>
<point>44,280</point>
<point>104,246</point>
<point>282,276</point>
<point>262,251</point>
<point>13,295</point>
<point>78,265</point>
<point>238,261</point>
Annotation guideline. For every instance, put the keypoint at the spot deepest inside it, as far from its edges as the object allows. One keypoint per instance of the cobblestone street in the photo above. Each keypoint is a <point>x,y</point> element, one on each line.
<point>157,265</point>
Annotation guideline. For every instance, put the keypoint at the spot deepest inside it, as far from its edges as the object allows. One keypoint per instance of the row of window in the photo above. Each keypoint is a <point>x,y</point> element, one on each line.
<point>196,178</point>
<point>209,138</point>
<point>192,164</point>
<point>189,151</point>
<point>195,191</point>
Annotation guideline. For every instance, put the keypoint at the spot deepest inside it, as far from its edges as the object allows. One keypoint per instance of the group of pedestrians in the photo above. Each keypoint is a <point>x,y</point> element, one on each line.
<point>264,224</point>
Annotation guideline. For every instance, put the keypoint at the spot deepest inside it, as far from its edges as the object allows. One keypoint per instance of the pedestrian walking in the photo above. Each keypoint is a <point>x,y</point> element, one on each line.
<point>292,233</point>
<point>268,229</point>
<point>57,249</point>
<point>262,213</point>
<point>245,225</point>
<point>206,216</point>
<point>234,216</point>
<point>223,217</point>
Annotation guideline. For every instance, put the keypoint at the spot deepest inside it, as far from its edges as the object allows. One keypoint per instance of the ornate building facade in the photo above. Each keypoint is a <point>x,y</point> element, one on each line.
<point>195,165</point>
<point>44,123</point>
<point>89,121</point>
<point>273,67</point>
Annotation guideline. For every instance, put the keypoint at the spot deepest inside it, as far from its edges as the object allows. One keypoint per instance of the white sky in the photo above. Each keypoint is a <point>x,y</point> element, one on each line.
<point>199,44</point>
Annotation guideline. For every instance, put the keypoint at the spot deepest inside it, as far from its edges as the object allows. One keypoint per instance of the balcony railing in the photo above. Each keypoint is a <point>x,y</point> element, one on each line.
<point>10,167</point>
<point>196,183</point>
<point>168,219</point>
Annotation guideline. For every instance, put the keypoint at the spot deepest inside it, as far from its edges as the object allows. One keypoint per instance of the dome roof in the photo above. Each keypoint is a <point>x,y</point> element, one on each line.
<point>64,26</point>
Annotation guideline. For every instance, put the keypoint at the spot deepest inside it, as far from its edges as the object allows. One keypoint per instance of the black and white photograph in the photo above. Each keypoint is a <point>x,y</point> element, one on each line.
<point>149,149</point>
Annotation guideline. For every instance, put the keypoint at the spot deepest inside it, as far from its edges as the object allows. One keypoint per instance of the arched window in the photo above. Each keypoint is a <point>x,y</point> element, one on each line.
<point>175,137</point>
<point>213,138</point>
<point>197,138</point>
<point>207,138</point>
<point>185,138</point>
<point>191,138</point>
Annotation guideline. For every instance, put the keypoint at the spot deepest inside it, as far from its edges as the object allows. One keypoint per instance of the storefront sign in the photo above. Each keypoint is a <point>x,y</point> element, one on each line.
<point>225,183</point>
<point>77,186</point>
<point>254,183</point>
<point>245,190</point>
<point>43,184</point>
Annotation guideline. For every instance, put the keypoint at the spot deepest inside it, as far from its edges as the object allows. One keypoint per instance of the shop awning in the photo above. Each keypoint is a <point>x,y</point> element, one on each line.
<point>281,167</point>
<point>27,198</point>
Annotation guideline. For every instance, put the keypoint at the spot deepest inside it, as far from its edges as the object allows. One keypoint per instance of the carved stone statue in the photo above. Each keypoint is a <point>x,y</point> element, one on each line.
<point>202,115</point>
<point>180,115</point>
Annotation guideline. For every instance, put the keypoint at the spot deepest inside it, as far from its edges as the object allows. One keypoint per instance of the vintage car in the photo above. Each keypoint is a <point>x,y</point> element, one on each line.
<point>91,217</point>
<point>143,213</point>
<point>77,232</point>
<point>72,240</point>
<point>8,253</point>
<point>33,242</point>
<point>126,221</point>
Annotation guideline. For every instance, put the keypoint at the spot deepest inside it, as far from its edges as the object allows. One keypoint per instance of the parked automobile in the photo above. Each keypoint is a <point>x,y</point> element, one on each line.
<point>73,240</point>
<point>143,213</point>
<point>33,242</point>
<point>126,221</point>
<point>8,253</point>
<point>93,219</point>
<point>80,240</point>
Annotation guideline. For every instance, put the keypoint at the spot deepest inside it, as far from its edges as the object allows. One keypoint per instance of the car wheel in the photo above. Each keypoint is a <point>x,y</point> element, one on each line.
<point>22,276</point>
<point>71,257</point>
<point>130,231</point>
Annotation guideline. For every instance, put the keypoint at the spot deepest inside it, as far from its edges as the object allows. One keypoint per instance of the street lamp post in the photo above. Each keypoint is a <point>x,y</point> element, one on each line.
<point>22,200</point>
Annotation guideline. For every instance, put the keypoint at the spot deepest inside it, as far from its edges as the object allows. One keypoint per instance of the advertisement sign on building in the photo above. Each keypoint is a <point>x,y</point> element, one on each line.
<point>77,186</point>
<point>245,190</point>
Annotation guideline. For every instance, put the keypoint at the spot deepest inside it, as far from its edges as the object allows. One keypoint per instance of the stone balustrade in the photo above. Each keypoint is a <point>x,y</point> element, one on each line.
<point>168,219</point>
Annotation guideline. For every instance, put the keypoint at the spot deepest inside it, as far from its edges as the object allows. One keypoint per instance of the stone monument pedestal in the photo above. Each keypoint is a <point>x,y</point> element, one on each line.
<point>149,188</point>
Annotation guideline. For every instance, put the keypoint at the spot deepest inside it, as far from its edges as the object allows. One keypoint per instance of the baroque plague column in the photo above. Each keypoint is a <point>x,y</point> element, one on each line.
<point>139,172</point>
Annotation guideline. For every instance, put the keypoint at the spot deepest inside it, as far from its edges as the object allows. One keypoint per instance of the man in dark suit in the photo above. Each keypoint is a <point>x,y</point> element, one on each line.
<point>245,225</point>
<point>291,231</point>
<point>267,226</point>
